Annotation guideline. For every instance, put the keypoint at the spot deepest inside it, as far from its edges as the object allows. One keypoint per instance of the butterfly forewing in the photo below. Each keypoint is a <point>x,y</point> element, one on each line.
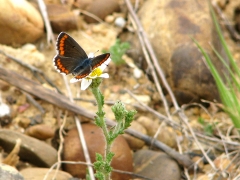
<point>68,47</point>
<point>98,60</point>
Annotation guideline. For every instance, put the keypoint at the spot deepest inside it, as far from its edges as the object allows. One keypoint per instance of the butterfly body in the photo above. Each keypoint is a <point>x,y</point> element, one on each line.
<point>72,59</point>
<point>84,65</point>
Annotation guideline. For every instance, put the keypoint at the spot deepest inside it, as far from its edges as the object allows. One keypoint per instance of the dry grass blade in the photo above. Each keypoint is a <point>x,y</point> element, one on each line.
<point>13,158</point>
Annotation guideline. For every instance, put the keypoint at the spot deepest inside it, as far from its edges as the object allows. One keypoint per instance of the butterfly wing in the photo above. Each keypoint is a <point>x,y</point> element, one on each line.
<point>64,65</point>
<point>85,72</point>
<point>99,60</point>
<point>68,47</point>
<point>90,65</point>
<point>69,54</point>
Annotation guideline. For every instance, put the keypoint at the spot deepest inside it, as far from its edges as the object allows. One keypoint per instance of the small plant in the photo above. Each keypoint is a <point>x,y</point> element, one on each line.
<point>118,50</point>
<point>207,127</point>
<point>72,59</point>
<point>123,119</point>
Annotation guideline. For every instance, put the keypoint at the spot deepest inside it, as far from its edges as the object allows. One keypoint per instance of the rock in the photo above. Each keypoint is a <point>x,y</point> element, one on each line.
<point>4,86</point>
<point>20,22</point>
<point>150,125</point>
<point>23,107</point>
<point>61,18</point>
<point>156,165</point>
<point>5,114</point>
<point>133,142</point>
<point>72,151</point>
<point>166,134</point>
<point>40,131</point>
<point>23,121</point>
<point>120,22</point>
<point>32,150</point>
<point>39,174</point>
<point>9,172</point>
<point>26,55</point>
<point>99,9</point>
<point>223,163</point>
<point>170,26</point>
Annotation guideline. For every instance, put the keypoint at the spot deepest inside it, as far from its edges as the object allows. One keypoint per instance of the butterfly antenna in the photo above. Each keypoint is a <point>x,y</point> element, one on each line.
<point>95,52</point>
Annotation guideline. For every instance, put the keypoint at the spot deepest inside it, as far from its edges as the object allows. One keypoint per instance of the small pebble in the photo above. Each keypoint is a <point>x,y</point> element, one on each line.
<point>5,114</point>
<point>40,131</point>
<point>137,73</point>
<point>109,19</point>
<point>120,22</point>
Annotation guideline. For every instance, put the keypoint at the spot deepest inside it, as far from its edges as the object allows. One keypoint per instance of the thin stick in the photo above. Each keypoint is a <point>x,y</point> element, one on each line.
<point>31,68</point>
<point>34,102</point>
<point>92,16</point>
<point>43,9</point>
<point>60,146</point>
<point>80,133</point>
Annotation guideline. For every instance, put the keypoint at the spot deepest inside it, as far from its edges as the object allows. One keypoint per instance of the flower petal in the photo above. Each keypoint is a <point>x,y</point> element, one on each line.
<point>105,64</point>
<point>91,55</point>
<point>73,80</point>
<point>104,75</point>
<point>85,83</point>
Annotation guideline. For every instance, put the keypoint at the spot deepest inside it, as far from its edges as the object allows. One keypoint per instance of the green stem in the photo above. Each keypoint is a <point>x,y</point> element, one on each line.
<point>100,103</point>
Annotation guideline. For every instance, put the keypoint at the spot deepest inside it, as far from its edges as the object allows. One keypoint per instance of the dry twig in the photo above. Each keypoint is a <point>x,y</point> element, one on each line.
<point>43,9</point>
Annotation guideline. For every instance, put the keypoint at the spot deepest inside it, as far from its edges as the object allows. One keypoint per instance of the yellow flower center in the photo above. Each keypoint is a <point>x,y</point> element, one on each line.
<point>95,73</point>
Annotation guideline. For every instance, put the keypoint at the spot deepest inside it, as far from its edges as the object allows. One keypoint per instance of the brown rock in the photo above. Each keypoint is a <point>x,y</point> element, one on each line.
<point>169,27</point>
<point>20,22</point>
<point>156,165</point>
<point>135,143</point>
<point>40,131</point>
<point>167,136</point>
<point>61,18</point>
<point>35,151</point>
<point>23,121</point>
<point>4,86</point>
<point>72,151</point>
<point>39,174</point>
<point>99,9</point>
<point>150,125</point>
<point>225,164</point>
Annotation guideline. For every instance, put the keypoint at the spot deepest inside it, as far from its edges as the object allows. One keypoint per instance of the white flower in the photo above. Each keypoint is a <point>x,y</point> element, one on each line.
<point>97,72</point>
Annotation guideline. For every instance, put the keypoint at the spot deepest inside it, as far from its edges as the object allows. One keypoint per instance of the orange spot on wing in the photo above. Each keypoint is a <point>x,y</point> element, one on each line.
<point>61,44</point>
<point>61,67</point>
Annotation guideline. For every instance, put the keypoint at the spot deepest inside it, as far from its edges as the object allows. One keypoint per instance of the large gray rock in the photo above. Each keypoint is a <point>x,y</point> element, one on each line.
<point>32,150</point>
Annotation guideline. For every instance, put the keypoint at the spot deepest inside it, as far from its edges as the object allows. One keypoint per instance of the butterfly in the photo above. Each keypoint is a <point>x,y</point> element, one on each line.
<point>72,59</point>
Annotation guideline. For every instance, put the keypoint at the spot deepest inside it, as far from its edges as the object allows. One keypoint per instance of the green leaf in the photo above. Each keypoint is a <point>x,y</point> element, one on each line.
<point>117,51</point>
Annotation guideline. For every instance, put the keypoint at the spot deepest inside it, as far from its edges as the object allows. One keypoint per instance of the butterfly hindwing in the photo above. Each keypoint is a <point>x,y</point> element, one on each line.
<point>65,65</point>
